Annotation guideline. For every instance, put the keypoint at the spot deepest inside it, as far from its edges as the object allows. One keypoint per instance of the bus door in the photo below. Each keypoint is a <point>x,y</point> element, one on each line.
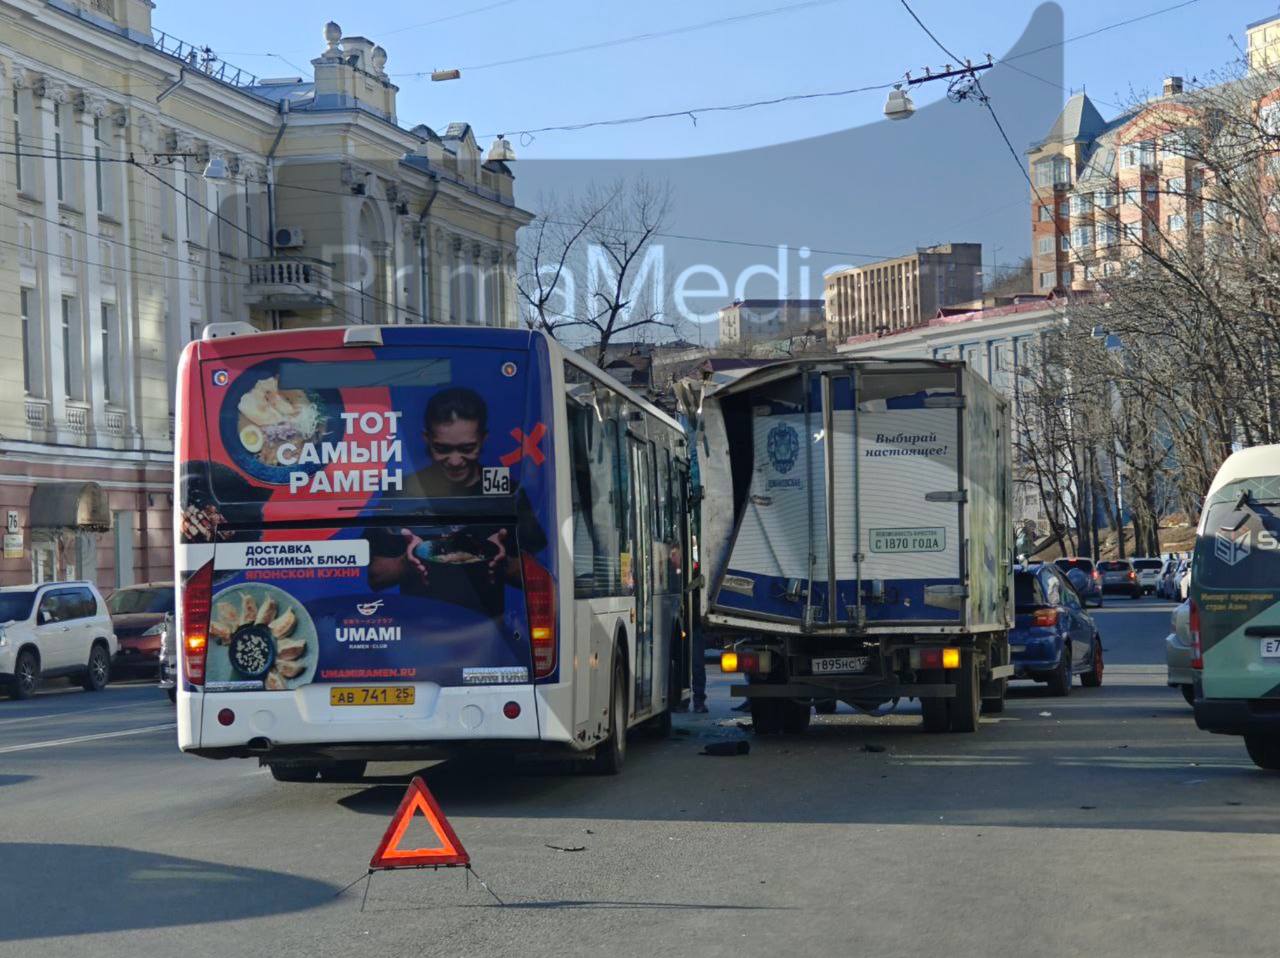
<point>641,462</point>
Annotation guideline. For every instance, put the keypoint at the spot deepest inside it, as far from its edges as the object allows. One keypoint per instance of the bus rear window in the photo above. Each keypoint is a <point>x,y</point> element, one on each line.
<point>364,427</point>
<point>1239,548</point>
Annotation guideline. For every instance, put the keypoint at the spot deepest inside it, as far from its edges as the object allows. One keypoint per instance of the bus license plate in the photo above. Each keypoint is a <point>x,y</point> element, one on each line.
<point>372,695</point>
<point>842,663</point>
<point>1271,648</point>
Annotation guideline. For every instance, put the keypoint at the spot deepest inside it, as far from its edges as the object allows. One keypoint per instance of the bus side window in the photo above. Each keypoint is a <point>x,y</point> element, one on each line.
<point>597,536</point>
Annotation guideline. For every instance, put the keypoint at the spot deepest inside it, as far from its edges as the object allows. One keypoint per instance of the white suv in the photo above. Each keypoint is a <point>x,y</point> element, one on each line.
<point>52,629</point>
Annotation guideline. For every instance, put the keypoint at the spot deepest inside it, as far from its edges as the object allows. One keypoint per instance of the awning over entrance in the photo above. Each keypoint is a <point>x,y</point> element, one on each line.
<point>70,505</point>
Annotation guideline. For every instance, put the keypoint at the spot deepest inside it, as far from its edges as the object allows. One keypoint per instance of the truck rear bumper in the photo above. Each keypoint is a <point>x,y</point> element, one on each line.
<point>841,688</point>
<point>1238,716</point>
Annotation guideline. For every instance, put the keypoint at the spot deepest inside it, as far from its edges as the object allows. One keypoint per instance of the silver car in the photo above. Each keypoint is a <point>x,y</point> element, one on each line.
<point>1177,653</point>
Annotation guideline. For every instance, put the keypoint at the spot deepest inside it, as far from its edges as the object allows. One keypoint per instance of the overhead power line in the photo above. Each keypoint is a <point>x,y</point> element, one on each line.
<point>640,37</point>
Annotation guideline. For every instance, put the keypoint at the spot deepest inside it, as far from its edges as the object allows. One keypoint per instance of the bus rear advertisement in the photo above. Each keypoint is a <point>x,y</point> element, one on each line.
<point>368,548</point>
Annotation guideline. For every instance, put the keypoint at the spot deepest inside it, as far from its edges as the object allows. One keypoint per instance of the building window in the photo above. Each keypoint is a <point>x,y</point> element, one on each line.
<point>1138,154</point>
<point>1131,195</point>
<point>1176,223</point>
<point>1150,194</point>
<point>1066,277</point>
<point>30,340</point>
<point>1197,219</point>
<point>97,163</point>
<point>1061,171</point>
<point>1064,208</point>
<point>1082,236</point>
<point>1104,198</point>
<point>1064,242</point>
<point>1176,185</point>
<point>1044,173</point>
<point>1046,280</point>
<point>57,147</point>
<point>1045,245</point>
<point>17,139</point>
<point>1107,234</point>
<point>1046,214</point>
<point>72,351</point>
<point>1080,203</point>
<point>112,371</point>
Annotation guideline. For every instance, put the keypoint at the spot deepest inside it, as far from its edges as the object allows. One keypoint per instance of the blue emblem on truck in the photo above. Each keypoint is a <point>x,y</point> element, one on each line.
<point>784,447</point>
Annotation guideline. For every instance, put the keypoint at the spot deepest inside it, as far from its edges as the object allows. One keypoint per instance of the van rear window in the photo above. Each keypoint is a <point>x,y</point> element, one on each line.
<point>1239,548</point>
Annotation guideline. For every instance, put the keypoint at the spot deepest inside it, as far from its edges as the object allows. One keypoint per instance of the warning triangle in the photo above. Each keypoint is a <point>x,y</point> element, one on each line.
<point>390,855</point>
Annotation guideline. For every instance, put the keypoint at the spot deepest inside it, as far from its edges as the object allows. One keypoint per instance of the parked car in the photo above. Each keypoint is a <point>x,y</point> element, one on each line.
<point>54,629</point>
<point>1092,591</point>
<point>1053,637</point>
<point>1165,589</point>
<point>1119,575</point>
<point>1182,592</point>
<point>1177,653</point>
<point>1148,569</point>
<point>138,613</point>
<point>168,665</point>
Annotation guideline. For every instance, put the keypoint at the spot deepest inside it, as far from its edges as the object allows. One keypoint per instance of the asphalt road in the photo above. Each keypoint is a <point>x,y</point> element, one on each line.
<point>1099,824</point>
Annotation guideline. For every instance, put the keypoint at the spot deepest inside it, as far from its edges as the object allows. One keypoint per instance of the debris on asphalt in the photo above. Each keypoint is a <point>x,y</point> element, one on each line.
<point>1235,803</point>
<point>1046,715</point>
<point>741,747</point>
<point>1088,808</point>
<point>568,848</point>
<point>870,747</point>
<point>681,731</point>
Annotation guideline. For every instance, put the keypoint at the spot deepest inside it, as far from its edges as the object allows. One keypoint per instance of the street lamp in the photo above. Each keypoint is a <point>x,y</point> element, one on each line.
<point>899,105</point>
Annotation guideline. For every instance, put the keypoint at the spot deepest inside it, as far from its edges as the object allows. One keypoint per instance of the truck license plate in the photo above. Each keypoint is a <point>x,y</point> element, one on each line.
<point>1271,648</point>
<point>372,695</point>
<point>840,663</point>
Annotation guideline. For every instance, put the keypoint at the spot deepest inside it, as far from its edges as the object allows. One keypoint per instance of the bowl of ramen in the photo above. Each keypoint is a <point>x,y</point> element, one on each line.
<point>259,417</point>
<point>458,569</point>
<point>260,632</point>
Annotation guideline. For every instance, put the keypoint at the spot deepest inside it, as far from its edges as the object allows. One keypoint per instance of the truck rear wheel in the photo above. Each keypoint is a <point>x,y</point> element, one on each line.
<point>963,710</point>
<point>1264,751</point>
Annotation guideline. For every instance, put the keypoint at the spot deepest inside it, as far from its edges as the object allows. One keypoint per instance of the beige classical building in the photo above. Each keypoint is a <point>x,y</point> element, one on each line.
<point>147,189</point>
<point>899,293</point>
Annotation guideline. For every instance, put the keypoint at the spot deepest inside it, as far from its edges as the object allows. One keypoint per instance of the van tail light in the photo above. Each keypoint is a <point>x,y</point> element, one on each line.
<point>1044,618</point>
<point>197,600</point>
<point>1197,651</point>
<point>1133,575</point>
<point>1096,575</point>
<point>540,601</point>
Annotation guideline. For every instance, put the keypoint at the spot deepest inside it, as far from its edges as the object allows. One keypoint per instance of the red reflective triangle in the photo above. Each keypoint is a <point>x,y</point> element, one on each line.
<point>419,799</point>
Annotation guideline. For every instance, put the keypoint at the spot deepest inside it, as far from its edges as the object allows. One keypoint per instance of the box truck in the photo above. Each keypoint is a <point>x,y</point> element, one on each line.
<point>856,536</point>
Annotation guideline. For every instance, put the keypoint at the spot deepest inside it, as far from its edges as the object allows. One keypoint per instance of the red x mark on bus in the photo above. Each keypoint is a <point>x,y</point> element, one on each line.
<point>528,446</point>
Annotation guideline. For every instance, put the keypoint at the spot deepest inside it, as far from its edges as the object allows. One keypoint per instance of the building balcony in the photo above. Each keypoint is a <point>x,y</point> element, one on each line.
<point>292,282</point>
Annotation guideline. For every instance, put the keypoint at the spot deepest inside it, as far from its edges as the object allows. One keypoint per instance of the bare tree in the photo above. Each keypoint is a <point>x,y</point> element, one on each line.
<point>605,236</point>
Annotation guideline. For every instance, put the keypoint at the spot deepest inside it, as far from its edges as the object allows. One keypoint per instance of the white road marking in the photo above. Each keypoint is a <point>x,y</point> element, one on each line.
<point>65,715</point>
<point>28,746</point>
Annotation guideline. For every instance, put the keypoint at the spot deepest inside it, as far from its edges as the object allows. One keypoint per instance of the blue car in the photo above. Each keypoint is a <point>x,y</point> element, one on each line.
<point>1053,637</point>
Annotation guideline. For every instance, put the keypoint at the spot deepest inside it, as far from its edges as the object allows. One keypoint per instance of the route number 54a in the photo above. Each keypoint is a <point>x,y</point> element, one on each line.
<point>496,481</point>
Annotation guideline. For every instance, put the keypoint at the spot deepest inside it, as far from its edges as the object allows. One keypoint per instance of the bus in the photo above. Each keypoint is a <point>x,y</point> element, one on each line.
<point>408,542</point>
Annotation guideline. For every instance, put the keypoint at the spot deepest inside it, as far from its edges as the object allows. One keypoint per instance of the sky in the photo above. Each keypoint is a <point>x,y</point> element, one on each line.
<point>821,45</point>
<point>765,200</point>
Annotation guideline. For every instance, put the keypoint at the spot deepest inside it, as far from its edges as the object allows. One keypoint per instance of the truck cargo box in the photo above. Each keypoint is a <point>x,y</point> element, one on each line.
<point>856,497</point>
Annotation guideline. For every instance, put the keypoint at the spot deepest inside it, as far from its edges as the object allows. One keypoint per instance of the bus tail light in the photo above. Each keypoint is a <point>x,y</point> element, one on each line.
<point>197,601</point>
<point>540,601</point>
<point>1197,651</point>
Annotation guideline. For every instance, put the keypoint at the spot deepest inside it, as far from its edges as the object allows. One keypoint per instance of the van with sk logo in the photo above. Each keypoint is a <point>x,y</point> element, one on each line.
<point>1235,604</point>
